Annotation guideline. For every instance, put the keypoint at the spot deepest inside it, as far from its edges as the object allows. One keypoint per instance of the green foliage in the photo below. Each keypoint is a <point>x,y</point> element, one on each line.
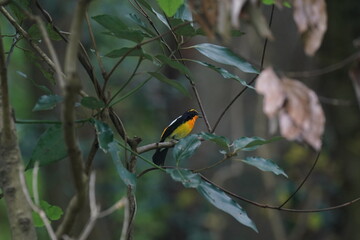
<point>224,73</point>
<point>186,147</point>
<point>47,102</point>
<point>221,141</point>
<point>92,103</point>
<point>118,28</point>
<point>170,6</point>
<point>174,64</point>
<point>224,55</point>
<point>127,177</point>
<point>251,143</point>
<point>212,194</point>
<point>171,82</point>
<point>104,134</point>
<point>52,212</point>
<point>49,148</point>
<point>264,165</point>
<point>36,35</point>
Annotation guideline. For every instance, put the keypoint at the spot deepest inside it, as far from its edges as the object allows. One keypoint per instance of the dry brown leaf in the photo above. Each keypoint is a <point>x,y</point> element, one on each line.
<point>259,22</point>
<point>311,19</point>
<point>205,13</point>
<point>296,106</point>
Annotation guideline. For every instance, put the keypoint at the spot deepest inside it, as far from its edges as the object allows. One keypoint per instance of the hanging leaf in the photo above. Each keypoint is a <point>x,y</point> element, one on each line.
<point>92,103</point>
<point>174,64</point>
<point>223,202</point>
<point>224,55</point>
<point>52,212</point>
<point>224,73</point>
<point>118,28</point>
<point>170,82</point>
<point>221,141</point>
<point>49,148</point>
<point>104,133</point>
<point>311,19</point>
<point>170,6</point>
<point>213,194</point>
<point>251,143</point>
<point>264,165</point>
<point>127,177</point>
<point>296,106</point>
<point>47,102</point>
<point>186,147</point>
<point>36,35</point>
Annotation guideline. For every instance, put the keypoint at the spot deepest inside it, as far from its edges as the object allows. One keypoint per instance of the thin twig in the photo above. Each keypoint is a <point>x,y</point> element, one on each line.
<point>94,209</point>
<point>303,181</point>
<point>252,80</point>
<point>37,49</point>
<point>325,70</point>
<point>34,206</point>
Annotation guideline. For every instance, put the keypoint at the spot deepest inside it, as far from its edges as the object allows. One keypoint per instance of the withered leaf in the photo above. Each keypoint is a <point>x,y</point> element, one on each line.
<point>205,13</point>
<point>296,107</point>
<point>311,19</point>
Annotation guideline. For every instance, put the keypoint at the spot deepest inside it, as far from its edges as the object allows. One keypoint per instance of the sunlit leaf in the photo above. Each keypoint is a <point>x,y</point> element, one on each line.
<point>47,102</point>
<point>186,147</point>
<point>224,73</point>
<point>174,83</point>
<point>219,140</point>
<point>213,194</point>
<point>127,177</point>
<point>52,212</point>
<point>224,55</point>
<point>170,6</point>
<point>92,103</point>
<point>264,165</point>
<point>49,148</point>
<point>104,133</point>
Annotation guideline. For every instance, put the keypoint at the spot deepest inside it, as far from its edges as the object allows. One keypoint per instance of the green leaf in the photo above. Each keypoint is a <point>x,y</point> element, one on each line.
<point>174,64</point>
<point>36,35</point>
<point>184,13</point>
<point>213,194</point>
<point>92,103</point>
<point>264,165</point>
<point>251,143</point>
<point>219,140</point>
<point>170,6</point>
<point>18,11</point>
<point>141,24</point>
<point>170,82</point>
<point>185,30</point>
<point>134,53</point>
<point>127,177</point>
<point>47,102</point>
<point>220,200</point>
<point>224,55</point>
<point>186,147</point>
<point>118,28</point>
<point>104,133</point>
<point>224,73</point>
<point>185,176</point>
<point>41,87</point>
<point>52,212</point>
<point>49,148</point>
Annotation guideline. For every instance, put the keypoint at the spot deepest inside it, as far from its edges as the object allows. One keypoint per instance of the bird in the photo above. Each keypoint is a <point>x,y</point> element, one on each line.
<point>177,129</point>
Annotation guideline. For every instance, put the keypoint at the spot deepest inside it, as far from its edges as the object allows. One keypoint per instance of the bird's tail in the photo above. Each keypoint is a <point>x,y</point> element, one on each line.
<point>159,156</point>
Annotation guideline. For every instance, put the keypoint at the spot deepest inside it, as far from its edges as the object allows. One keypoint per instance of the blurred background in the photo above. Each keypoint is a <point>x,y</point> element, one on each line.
<point>166,210</point>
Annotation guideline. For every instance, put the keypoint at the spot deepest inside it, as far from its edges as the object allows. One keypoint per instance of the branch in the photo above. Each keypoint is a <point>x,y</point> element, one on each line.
<point>71,90</point>
<point>35,206</point>
<point>252,80</point>
<point>37,49</point>
<point>18,210</point>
